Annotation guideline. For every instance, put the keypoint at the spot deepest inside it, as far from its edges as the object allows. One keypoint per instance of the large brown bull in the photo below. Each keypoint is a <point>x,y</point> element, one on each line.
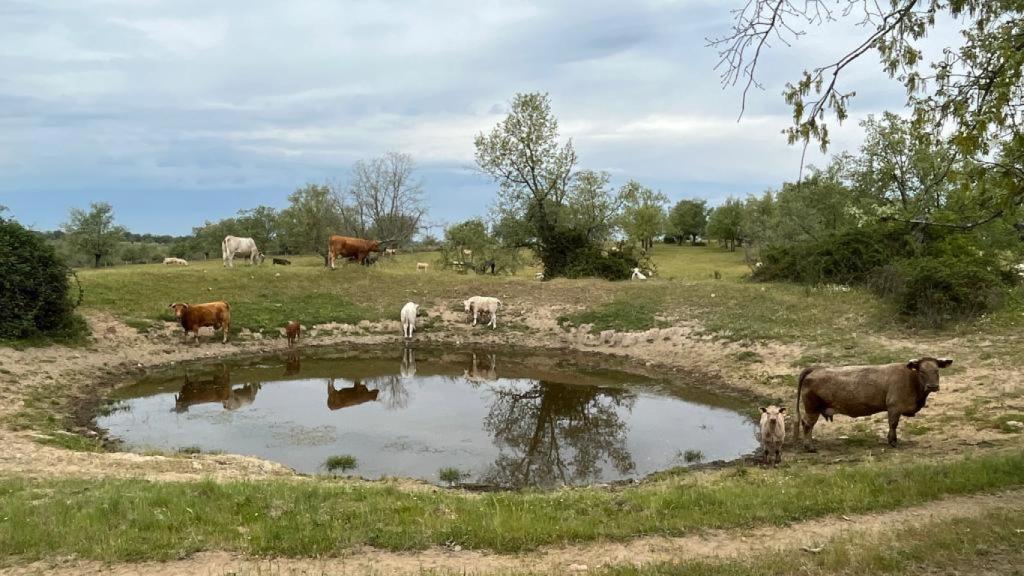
<point>350,248</point>
<point>357,394</point>
<point>195,316</point>
<point>899,389</point>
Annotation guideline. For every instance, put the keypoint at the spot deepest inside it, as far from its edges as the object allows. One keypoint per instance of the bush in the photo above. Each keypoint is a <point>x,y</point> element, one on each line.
<point>848,257</point>
<point>572,254</point>
<point>34,287</point>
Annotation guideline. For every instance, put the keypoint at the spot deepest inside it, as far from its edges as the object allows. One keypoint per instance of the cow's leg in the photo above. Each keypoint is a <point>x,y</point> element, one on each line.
<point>778,455</point>
<point>474,316</point>
<point>807,422</point>
<point>494,319</point>
<point>330,259</point>
<point>894,421</point>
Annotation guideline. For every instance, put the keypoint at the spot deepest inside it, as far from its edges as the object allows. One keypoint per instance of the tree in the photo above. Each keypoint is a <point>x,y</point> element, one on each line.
<point>94,232</point>
<point>260,224</point>
<point>726,223</point>
<point>971,99</point>
<point>387,200</point>
<point>313,214</point>
<point>643,216</point>
<point>591,207</point>
<point>689,219</point>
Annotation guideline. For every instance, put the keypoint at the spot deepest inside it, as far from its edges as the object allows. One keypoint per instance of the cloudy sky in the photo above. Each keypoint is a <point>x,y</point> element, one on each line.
<point>181,111</point>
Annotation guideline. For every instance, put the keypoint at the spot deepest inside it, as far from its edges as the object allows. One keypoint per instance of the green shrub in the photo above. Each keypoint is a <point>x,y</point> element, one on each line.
<point>933,290</point>
<point>846,257</point>
<point>34,287</point>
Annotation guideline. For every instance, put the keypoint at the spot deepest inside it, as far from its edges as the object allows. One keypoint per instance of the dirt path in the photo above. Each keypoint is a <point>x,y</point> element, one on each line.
<point>559,560</point>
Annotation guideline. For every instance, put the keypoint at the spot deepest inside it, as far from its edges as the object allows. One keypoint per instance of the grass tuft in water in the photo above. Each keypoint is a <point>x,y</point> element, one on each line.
<point>342,462</point>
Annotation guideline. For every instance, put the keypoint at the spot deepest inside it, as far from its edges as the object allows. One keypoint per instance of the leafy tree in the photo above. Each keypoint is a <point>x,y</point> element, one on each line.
<point>94,232</point>
<point>34,286</point>
<point>971,98</point>
<point>726,223</point>
<point>314,213</point>
<point>387,201</point>
<point>259,223</point>
<point>689,219</point>
<point>591,207</point>
<point>643,216</point>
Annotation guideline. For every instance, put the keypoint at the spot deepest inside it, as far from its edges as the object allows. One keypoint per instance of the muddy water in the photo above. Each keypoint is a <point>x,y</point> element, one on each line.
<point>502,419</point>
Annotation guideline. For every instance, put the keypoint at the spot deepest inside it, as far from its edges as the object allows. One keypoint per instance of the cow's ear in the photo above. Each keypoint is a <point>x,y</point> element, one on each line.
<point>914,364</point>
<point>943,362</point>
<point>782,410</point>
<point>763,409</point>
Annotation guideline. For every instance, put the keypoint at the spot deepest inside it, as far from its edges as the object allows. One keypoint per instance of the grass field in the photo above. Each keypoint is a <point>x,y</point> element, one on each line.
<point>133,520</point>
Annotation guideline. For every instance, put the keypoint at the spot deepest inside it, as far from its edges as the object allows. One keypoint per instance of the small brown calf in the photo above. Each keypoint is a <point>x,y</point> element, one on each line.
<point>292,332</point>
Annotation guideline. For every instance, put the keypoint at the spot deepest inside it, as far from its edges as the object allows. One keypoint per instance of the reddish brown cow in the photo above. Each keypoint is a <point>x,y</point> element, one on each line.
<point>899,389</point>
<point>196,316</point>
<point>350,248</point>
<point>292,330</point>
<point>357,394</point>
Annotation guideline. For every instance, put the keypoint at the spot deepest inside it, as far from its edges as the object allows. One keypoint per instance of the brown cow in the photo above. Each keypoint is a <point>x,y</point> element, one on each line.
<point>291,330</point>
<point>899,389</point>
<point>350,248</point>
<point>357,394</point>
<point>196,316</point>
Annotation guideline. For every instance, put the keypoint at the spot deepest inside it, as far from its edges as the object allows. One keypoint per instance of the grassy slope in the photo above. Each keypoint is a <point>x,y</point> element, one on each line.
<point>134,519</point>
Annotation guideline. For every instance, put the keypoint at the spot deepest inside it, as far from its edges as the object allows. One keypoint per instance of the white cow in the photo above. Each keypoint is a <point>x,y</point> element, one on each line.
<point>409,318</point>
<point>638,275</point>
<point>485,304</point>
<point>175,261</point>
<point>245,247</point>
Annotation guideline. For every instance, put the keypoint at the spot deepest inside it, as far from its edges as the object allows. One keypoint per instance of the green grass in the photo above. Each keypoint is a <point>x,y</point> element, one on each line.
<point>631,312</point>
<point>136,519</point>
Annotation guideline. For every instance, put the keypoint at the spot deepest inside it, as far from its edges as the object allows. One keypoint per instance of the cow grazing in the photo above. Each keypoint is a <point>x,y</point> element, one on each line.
<point>483,304</point>
<point>899,389</point>
<point>195,316</point>
<point>422,266</point>
<point>638,275</point>
<point>175,262</point>
<point>357,394</point>
<point>390,251</point>
<point>282,261</point>
<point>350,248</point>
<point>773,433</point>
<point>233,246</point>
<point>409,312</point>
<point>292,330</point>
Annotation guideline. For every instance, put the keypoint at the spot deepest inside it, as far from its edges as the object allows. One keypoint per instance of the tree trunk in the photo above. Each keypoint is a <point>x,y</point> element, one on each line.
<point>96,264</point>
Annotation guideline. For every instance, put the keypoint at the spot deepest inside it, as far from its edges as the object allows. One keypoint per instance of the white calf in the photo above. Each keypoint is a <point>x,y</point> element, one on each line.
<point>175,261</point>
<point>638,275</point>
<point>409,318</point>
<point>485,304</point>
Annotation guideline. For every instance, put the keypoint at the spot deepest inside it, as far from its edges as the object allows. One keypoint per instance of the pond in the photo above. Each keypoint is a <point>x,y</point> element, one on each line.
<point>506,419</point>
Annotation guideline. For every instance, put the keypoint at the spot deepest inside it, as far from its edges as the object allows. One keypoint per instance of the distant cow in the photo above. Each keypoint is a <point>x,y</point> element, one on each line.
<point>638,275</point>
<point>488,265</point>
<point>245,247</point>
<point>357,394</point>
<point>175,261</point>
<point>348,247</point>
<point>773,433</point>
<point>390,251</point>
<point>195,316</point>
<point>422,266</point>
<point>370,260</point>
<point>899,389</point>
<point>282,261</point>
<point>408,316</point>
<point>291,330</point>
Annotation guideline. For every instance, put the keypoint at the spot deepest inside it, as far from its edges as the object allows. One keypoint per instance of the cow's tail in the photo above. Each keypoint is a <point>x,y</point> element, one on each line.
<point>799,393</point>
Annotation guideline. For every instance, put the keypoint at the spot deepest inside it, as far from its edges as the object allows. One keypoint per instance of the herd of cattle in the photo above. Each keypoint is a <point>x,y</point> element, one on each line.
<point>899,389</point>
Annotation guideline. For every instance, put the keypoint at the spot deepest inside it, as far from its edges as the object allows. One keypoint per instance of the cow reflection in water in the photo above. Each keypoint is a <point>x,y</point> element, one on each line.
<point>216,389</point>
<point>550,434</point>
<point>292,364</point>
<point>357,394</point>
<point>408,367</point>
<point>476,376</point>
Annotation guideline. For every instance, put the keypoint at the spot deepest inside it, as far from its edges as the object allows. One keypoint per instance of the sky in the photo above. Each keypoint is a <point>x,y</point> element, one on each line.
<point>182,111</point>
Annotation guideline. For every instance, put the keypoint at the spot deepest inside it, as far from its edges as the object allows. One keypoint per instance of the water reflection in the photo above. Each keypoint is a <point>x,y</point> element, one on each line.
<point>552,434</point>
<point>216,389</point>
<point>357,394</point>
<point>541,421</point>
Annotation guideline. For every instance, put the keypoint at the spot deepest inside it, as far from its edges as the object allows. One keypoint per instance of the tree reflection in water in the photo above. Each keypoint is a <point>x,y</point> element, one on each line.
<point>551,434</point>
